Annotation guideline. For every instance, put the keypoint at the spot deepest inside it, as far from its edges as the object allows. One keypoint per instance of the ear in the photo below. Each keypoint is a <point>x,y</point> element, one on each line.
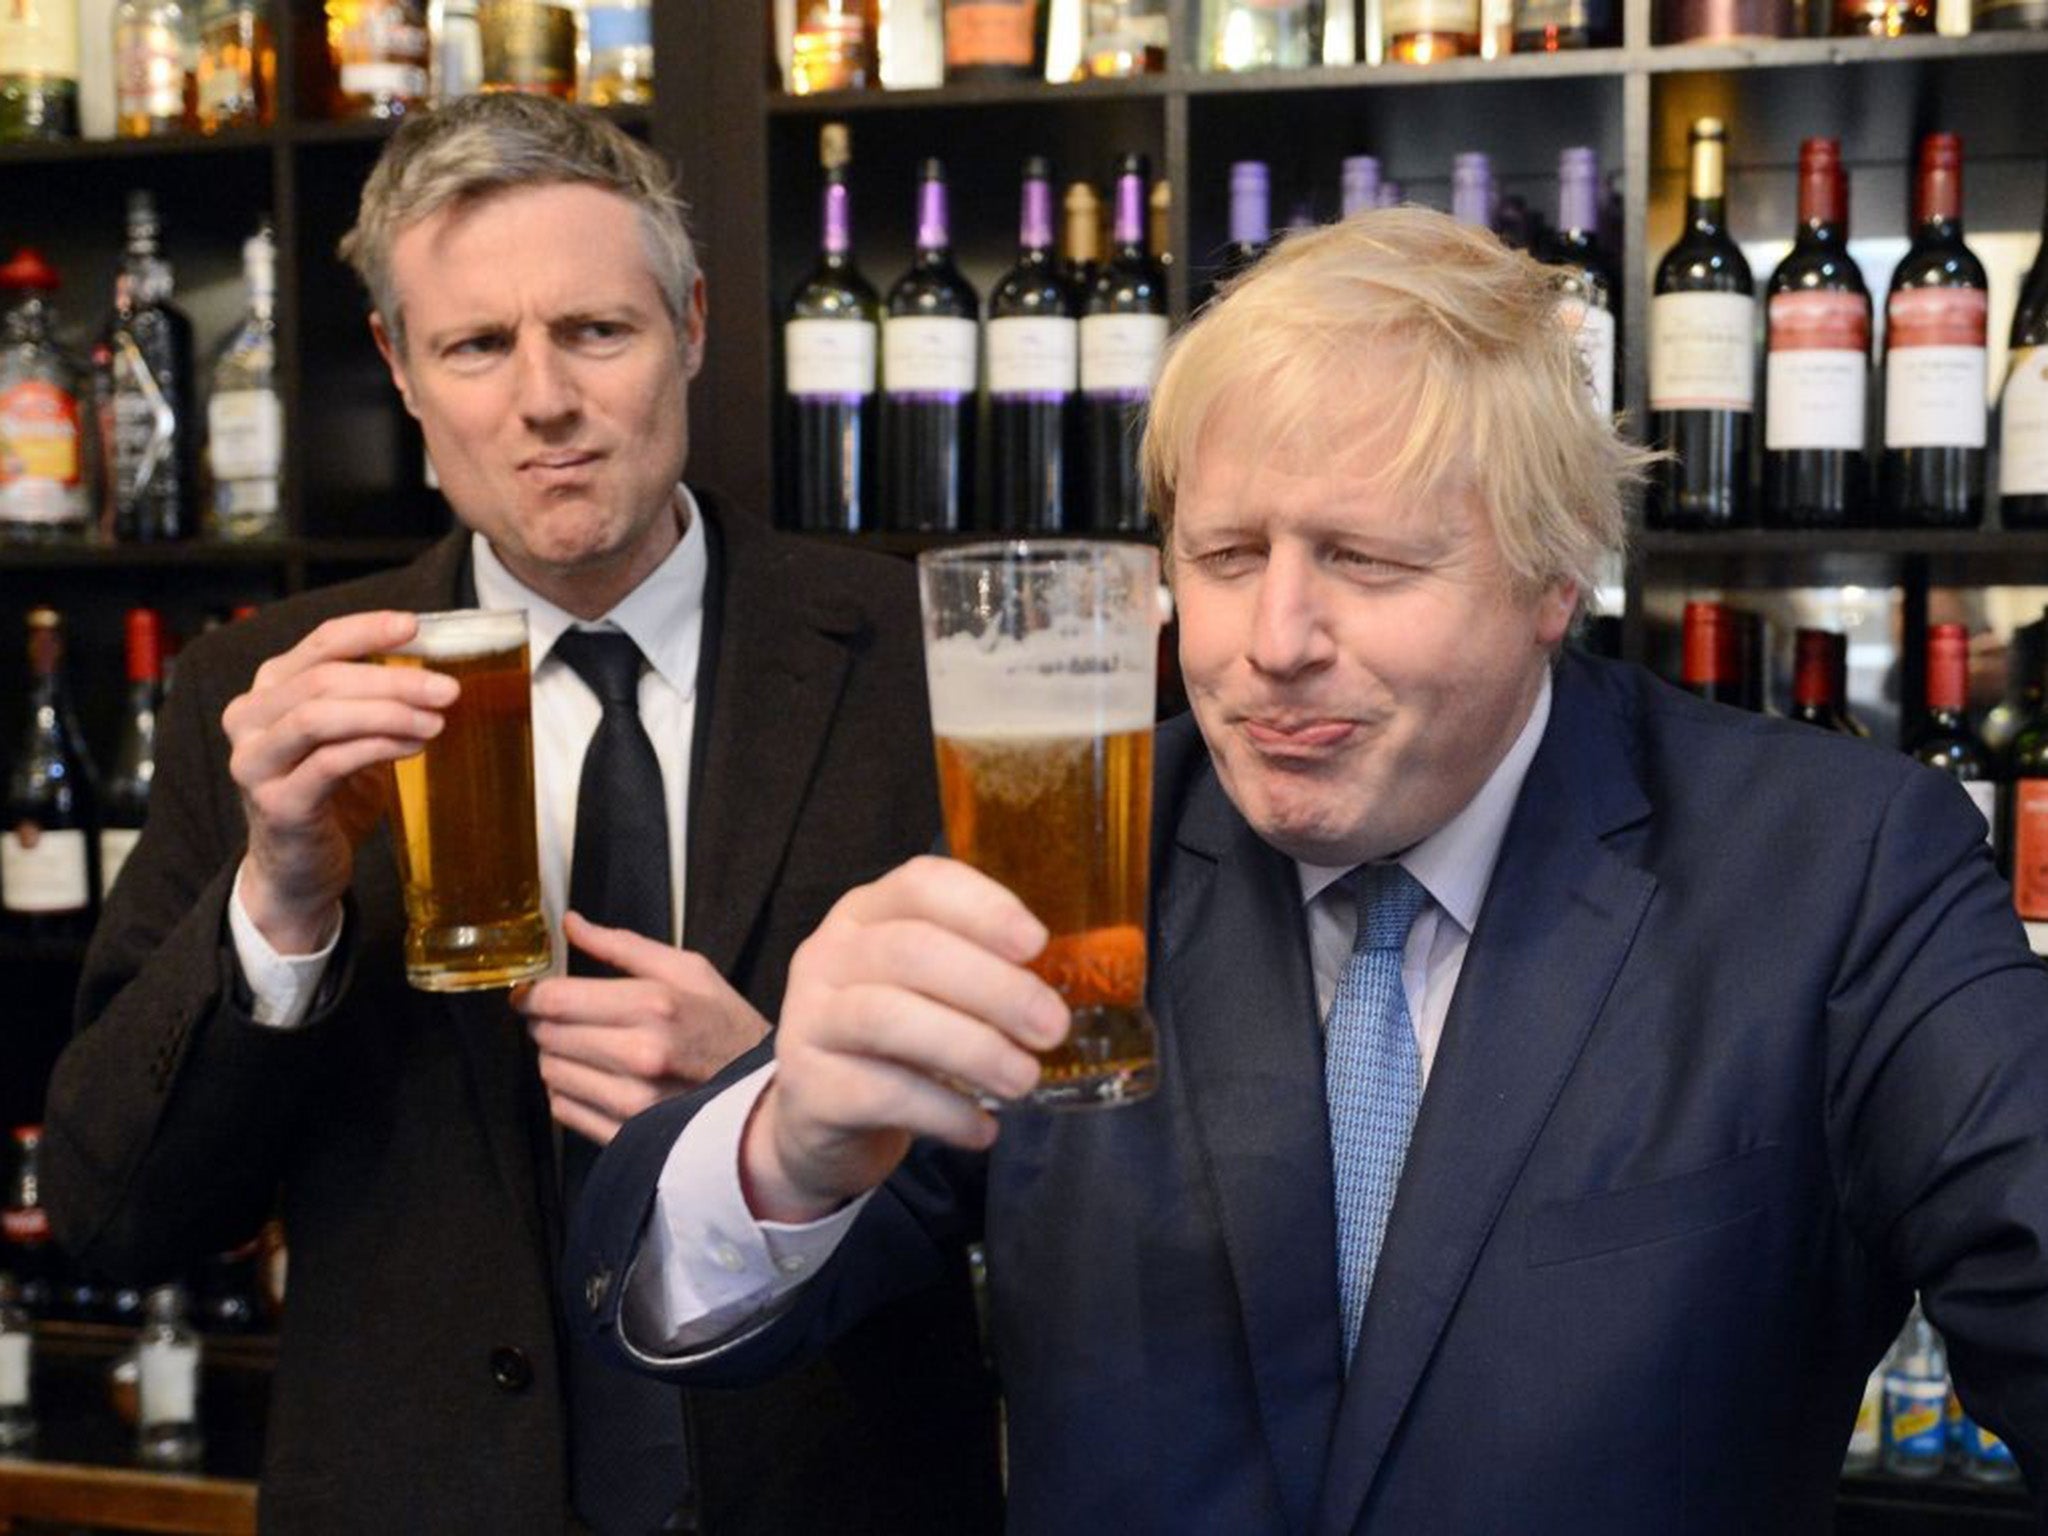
<point>1554,610</point>
<point>393,361</point>
<point>693,330</point>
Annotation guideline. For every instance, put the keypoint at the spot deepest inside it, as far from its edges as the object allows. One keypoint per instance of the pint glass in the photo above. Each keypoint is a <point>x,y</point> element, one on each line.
<point>1042,659</point>
<point>463,816</point>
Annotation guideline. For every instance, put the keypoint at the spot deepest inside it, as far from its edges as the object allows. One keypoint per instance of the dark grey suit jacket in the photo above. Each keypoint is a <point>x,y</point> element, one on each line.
<point>1747,1044</point>
<point>404,1136</point>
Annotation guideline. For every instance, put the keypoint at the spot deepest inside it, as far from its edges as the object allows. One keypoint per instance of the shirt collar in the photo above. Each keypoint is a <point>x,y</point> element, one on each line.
<point>1455,862</point>
<point>664,615</point>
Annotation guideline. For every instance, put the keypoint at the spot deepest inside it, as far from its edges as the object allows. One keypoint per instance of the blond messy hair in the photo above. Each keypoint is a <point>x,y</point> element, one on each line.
<point>1428,345</point>
<point>498,142</point>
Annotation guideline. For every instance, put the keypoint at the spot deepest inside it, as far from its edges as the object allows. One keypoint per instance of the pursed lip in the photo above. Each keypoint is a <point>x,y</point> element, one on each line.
<point>559,461</point>
<point>1298,735</point>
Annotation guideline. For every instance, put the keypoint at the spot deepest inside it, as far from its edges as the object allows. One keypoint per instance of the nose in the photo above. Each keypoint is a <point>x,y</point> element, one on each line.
<point>1290,630</point>
<point>546,385</point>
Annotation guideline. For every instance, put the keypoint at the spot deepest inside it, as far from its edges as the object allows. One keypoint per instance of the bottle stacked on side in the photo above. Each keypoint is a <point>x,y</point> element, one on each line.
<point>884,400</point>
<point>114,449</point>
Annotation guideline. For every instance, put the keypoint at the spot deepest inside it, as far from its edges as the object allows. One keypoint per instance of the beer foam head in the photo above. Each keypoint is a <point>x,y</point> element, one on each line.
<point>1046,684</point>
<point>466,632</point>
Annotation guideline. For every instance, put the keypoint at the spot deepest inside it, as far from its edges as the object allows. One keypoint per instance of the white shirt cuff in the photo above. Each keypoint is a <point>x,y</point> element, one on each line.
<point>282,985</point>
<point>710,1269</point>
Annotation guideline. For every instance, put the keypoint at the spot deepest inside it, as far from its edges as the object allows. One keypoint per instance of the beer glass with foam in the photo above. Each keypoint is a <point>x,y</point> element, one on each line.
<point>462,812</point>
<point>1042,659</point>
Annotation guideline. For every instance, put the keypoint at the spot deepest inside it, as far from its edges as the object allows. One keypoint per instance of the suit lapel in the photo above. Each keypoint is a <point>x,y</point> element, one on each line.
<point>777,671</point>
<point>1240,1024</point>
<point>1559,917</point>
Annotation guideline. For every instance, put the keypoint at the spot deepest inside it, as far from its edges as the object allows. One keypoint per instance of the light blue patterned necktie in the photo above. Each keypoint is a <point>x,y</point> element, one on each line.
<point>1372,1073</point>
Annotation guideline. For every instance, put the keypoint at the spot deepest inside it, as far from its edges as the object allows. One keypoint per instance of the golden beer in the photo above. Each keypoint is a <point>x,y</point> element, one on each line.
<point>1065,822</point>
<point>1041,660</point>
<point>468,848</point>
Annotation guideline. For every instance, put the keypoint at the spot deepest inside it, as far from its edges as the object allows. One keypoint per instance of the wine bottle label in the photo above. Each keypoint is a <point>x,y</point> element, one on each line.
<point>1702,352</point>
<point>116,843</point>
<point>43,871</point>
<point>39,457</point>
<point>13,1370</point>
<point>1028,355</point>
<point>1406,18</point>
<point>39,39</point>
<point>2030,849</point>
<point>2023,430</point>
<point>245,429</point>
<point>149,72</point>
<point>168,1378</point>
<point>832,358</point>
<point>1593,332</point>
<point>990,32</point>
<point>927,355</point>
<point>1817,371</point>
<point>1120,353</point>
<point>1934,368</point>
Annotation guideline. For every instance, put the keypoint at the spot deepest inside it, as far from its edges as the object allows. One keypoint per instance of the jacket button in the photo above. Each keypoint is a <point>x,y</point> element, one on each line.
<point>510,1368</point>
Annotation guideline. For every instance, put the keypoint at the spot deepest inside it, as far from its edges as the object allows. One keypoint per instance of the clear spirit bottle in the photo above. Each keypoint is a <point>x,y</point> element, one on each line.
<point>244,416</point>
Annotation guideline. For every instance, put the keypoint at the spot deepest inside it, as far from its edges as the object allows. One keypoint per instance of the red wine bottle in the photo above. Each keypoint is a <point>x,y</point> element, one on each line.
<point>1709,664</point>
<point>1588,288</point>
<point>829,356</point>
<point>124,799</point>
<point>1034,367</point>
<point>1935,324</point>
<point>2024,817</point>
<point>1817,360</point>
<point>1816,699</point>
<point>1123,333</point>
<point>1703,354</point>
<point>2023,404</point>
<point>930,343</point>
<point>1944,738</point>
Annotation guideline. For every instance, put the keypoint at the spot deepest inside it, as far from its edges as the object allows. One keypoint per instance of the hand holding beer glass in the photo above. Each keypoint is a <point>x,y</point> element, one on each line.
<point>1041,657</point>
<point>466,834</point>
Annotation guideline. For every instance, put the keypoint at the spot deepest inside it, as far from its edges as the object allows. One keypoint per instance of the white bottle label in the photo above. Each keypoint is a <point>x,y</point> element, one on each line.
<point>14,1370</point>
<point>245,434</point>
<point>1984,795</point>
<point>2023,433</point>
<point>116,843</point>
<point>1120,353</point>
<point>1029,355</point>
<point>929,355</point>
<point>1593,333</point>
<point>1934,398</point>
<point>1817,370</point>
<point>48,876</point>
<point>834,358</point>
<point>1702,352</point>
<point>385,80</point>
<point>169,1382</point>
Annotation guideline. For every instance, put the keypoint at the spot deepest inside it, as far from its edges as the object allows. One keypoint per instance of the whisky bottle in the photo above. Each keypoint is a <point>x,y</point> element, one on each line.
<point>153,40</point>
<point>377,52</point>
<point>529,45</point>
<point>46,849</point>
<point>237,77</point>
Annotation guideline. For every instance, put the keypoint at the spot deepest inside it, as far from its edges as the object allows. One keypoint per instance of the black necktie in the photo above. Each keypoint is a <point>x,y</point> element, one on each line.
<point>629,1467</point>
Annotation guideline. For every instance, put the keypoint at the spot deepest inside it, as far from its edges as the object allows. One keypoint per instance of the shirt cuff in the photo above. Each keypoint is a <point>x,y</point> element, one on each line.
<point>710,1270</point>
<point>283,986</point>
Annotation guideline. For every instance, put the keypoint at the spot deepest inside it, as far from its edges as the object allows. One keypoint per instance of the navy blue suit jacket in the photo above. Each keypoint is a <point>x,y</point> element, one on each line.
<point>1747,1046</point>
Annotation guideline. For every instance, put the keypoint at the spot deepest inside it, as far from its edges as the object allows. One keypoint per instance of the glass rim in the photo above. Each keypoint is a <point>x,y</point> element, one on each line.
<point>452,634</point>
<point>1031,551</point>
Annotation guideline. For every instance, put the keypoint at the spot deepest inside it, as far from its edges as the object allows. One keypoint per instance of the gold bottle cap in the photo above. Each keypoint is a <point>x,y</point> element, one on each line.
<point>835,146</point>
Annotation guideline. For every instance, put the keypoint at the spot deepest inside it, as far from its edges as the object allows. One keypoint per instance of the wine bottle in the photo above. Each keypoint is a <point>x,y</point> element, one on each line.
<point>1935,327</point>
<point>1708,663</point>
<point>26,1249</point>
<point>1815,700</point>
<point>1838,665</point>
<point>1472,190</point>
<point>1817,359</point>
<point>1123,333</point>
<point>1359,184</point>
<point>153,457</point>
<point>1703,354</point>
<point>1080,236</point>
<point>829,349</point>
<point>47,852</point>
<point>44,497</point>
<point>1588,289</point>
<point>2023,819</point>
<point>1034,368</point>
<point>1265,34</point>
<point>1944,738</point>
<point>994,39</point>
<point>1251,220</point>
<point>930,338</point>
<point>1428,31</point>
<point>124,801</point>
<point>2023,404</point>
<point>244,413</point>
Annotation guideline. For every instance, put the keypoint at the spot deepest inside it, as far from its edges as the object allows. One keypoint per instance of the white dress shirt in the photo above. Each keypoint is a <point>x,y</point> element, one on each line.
<point>664,615</point>
<point>709,1270</point>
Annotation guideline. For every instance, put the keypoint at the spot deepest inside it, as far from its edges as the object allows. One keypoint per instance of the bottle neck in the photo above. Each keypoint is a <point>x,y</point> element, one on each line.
<point>1130,215</point>
<point>1813,682</point>
<point>1251,219</point>
<point>1706,188</point>
<point>1034,218</point>
<point>1578,202</point>
<point>838,219</point>
<point>1709,649</point>
<point>1938,201</point>
<point>1948,675</point>
<point>934,237</point>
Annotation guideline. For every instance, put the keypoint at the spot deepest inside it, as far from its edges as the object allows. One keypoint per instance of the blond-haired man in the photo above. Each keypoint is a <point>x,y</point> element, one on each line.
<point>248,1037</point>
<point>1565,1083</point>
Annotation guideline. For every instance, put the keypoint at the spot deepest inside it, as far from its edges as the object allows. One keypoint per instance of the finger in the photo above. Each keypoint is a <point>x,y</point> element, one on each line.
<point>301,735</point>
<point>628,1033</point>
<point>302,792</point>
<point>620,948</point>
<point>925,1036</point>
<point>855,1095</point>
<point>615,1098</point>
<point>265,705</point>
<point>583,1119</point>
<point>953,969</point>
<point>349,637</point>
<point>954,896</point>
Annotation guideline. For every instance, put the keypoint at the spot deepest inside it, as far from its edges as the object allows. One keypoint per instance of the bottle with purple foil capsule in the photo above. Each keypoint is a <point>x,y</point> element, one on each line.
<point>1589,293</point>
<point>1359,184</point>
<point>1123,332</point>
<point>829,351</point>
<point>1034,368</point>
<point>1251,219</point>
<point>930,361</point>
<point>1390,195</point>
<point>1472,190</point>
